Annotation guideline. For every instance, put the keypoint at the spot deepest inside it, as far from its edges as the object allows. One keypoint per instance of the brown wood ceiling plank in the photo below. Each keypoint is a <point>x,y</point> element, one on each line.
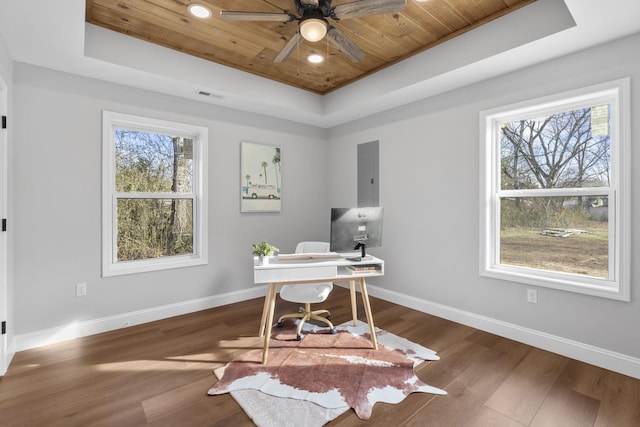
<point>476,10</point>
<point>195,47</point>
<point>445,12</point>
<point>516,3</point>
<point>427,20</point>
<point>485,7</point>
<point>251,46</point>
<point>385,37</point>
<point>150,18</point>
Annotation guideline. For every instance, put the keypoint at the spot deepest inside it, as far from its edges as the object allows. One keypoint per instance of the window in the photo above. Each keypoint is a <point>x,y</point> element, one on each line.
<point>153,194</point>
<point>555,192</point>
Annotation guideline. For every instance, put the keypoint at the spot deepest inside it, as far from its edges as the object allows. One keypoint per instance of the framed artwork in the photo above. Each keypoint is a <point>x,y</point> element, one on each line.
<point>260,178</point>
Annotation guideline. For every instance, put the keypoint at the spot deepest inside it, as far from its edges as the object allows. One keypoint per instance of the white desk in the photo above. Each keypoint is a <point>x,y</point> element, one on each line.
<point>277,273</point>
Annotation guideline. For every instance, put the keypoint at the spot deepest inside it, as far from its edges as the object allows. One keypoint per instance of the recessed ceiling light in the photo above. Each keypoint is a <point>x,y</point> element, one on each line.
<point>199,10</point>
<point>315,58</point>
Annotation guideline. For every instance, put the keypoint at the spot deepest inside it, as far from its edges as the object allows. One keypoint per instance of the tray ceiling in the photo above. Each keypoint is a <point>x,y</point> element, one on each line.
<point>251,46</point>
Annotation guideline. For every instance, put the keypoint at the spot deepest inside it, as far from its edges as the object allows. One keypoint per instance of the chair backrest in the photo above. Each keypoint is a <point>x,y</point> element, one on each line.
<point>300,293</point>
<point>312,247</point>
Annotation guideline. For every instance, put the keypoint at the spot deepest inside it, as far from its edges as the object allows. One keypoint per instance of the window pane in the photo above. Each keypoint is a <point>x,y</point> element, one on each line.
<point>151,162</point>
<point>153,228</point>
<point>568,149</point>
<point>563,234</point>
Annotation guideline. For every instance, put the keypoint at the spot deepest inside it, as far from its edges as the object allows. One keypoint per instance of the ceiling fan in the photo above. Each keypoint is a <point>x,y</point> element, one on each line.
<point>313,17</point>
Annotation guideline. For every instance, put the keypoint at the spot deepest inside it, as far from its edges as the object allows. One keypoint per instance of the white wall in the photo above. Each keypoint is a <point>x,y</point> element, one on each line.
<point>6,86</point>
<point>57,170</point>
<point>429,188</point>
<point>429,178</point>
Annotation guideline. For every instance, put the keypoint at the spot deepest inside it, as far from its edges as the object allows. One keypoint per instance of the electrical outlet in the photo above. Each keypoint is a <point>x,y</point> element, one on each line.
<point>532,296</point>
<point>81,289</point>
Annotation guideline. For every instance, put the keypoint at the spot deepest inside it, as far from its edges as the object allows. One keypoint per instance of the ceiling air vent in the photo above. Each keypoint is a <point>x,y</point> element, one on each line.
<point>212,95</point>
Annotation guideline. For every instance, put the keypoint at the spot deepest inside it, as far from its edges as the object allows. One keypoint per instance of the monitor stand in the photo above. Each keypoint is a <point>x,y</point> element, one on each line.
<point>363,254</point>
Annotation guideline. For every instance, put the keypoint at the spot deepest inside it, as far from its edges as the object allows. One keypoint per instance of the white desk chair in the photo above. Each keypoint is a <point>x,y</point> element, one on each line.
<point>308,293</point>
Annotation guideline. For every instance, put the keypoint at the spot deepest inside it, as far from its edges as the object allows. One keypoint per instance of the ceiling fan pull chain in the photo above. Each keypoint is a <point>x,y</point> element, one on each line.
<point>298,57</point>
<point>326,42</point>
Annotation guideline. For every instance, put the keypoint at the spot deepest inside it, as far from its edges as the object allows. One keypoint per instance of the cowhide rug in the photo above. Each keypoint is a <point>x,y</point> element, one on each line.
<point>332,371</point>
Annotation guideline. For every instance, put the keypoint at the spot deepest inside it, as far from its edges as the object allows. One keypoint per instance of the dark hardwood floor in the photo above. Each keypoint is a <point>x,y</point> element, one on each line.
<point>158,374</point>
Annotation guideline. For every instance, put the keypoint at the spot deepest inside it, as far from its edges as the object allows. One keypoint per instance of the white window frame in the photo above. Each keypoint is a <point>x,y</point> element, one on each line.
<point>617,285</point>
<point>110,265</point>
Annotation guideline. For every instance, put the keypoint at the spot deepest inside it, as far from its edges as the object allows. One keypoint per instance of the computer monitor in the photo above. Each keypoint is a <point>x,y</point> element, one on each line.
<point>355,229</point>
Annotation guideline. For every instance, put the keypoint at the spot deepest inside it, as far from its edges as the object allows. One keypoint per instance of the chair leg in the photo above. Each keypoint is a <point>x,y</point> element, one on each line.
<point>321,319</point>
<point>305,315</point>
<point>289,316</point>
<point>325,313</point>
<point>299,335</point>
<point>313,316</point>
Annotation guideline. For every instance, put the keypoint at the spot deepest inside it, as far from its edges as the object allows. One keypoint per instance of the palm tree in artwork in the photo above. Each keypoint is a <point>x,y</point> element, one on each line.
<point>264,166</point>
<point>276,166</point>
<point>247,177</point>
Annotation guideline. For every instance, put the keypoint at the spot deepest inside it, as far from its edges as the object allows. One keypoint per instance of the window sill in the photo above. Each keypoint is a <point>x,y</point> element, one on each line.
<point>562,281</point>
<point>144,266</point>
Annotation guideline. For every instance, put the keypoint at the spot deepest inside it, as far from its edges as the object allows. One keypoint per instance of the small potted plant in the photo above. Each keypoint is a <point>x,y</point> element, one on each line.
<point>263,249</point>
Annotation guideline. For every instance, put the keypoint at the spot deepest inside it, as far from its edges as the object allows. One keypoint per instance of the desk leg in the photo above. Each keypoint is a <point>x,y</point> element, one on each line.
<point>269,322</point>
<point>367,310</point>
<point>354,304</point>
<point>265,311</point>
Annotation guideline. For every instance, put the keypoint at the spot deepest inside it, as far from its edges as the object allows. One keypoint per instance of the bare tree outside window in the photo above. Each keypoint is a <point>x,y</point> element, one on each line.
<point>558,151</point>
<point>566,233</point>
<point>555,193</point>
<point>154,194</point>
<point>152,170</point>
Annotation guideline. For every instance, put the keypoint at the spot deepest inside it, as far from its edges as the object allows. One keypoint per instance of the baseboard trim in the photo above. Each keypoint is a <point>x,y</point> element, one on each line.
<point>8,356</point>
<point>600,357</point>
<point>105,324</point>
<point>603,358</point>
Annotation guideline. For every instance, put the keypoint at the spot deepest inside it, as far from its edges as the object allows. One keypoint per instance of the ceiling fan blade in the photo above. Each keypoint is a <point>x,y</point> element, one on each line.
<point>256,16</point>
<point>346,46</point>
<point>288,48</point>
<point>361,8</point>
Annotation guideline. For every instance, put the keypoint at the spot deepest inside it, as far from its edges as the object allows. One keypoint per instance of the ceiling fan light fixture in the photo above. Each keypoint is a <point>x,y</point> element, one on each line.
<point>313,29</point>
<point>199,11</point>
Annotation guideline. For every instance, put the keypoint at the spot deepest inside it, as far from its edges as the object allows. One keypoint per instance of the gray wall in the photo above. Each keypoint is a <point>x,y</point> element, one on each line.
<point>429,188</point>
<point>57,170</point>
<point>429,174</point>
<point>6,73</point>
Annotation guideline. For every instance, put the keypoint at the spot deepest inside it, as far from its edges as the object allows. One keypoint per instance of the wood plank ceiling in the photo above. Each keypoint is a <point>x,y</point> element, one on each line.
<point>251,46</point>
